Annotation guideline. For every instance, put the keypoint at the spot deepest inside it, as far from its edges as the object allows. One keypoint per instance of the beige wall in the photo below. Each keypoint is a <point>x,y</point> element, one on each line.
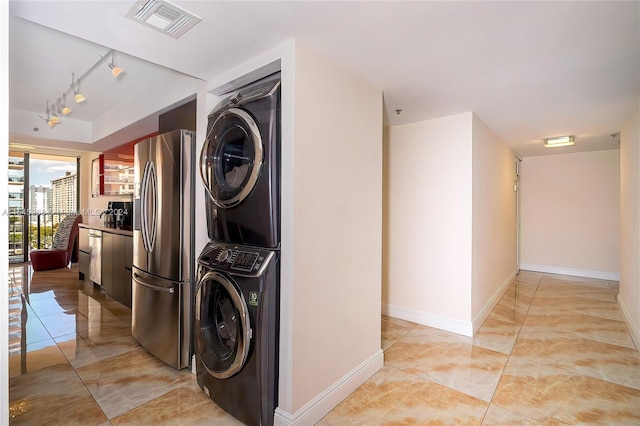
<point>570,209</point>
<point>428,209</point>
<point>337,208</point>
<point>629,297</point>
<point>494,260</point>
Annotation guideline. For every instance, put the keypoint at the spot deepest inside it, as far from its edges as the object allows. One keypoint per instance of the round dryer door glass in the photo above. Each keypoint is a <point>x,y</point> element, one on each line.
<point>231,158</point>
<point>223,328</point>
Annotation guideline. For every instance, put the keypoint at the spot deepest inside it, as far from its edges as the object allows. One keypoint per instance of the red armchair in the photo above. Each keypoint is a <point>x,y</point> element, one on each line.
<point>63,248</point>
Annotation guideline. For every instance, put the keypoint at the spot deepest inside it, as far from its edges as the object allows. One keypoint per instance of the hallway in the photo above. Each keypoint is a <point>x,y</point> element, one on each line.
<point>555,350</point>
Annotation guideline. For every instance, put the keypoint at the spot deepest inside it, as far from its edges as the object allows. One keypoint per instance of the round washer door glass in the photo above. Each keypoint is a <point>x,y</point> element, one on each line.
<point>231,157</point>
<point>223,327</point>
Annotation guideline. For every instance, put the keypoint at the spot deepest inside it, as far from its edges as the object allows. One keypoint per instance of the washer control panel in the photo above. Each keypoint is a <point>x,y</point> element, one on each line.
<point>234,259</point>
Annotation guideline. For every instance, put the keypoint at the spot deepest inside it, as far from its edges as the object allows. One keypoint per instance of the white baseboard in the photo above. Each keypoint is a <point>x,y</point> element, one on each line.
<point>634,329</point>
<point>431,320</point>
<point>313,411</point>
<point>491,303</point>
<point>586,273</point>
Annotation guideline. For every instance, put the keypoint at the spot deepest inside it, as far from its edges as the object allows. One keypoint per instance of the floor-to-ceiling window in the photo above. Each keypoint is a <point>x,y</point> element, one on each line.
<point>42,190</point>
<point>16,206</point>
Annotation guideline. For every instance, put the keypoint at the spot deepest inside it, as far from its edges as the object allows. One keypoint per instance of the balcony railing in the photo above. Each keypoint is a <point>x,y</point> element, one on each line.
<point>40,230</point>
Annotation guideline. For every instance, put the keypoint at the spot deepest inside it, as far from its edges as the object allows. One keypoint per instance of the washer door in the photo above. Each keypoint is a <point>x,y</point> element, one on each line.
<point>223,328</point>
<point>231,158</point>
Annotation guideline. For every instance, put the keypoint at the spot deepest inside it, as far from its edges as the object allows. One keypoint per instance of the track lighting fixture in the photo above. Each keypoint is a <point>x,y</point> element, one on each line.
<point>55,110</point>
<point>51,120</point>
<point>60,105</point>
<point>79,97</point>
<point>115,71</point>
<point>65,109</point>
<point>75,85</point>
<point>54,120</point>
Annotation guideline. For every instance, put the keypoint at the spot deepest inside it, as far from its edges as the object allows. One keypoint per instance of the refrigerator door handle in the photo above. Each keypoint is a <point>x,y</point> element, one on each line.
<point>143,207</point>
<point>138,280</point>
<point>149,206</point>
<point>153,183</point>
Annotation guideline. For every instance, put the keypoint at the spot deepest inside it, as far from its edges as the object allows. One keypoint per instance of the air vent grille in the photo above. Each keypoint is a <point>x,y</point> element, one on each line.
<point>168,13</point>
<point>163,16</point>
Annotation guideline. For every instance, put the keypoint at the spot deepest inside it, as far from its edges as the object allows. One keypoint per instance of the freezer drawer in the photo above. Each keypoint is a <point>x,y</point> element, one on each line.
<point>160,317</point>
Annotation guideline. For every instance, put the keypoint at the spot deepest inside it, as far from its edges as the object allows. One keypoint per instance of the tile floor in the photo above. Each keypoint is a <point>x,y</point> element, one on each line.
<point>554,351</point>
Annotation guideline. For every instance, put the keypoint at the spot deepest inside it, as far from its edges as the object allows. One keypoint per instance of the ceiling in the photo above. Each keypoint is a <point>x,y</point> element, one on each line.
<point>529,70</point>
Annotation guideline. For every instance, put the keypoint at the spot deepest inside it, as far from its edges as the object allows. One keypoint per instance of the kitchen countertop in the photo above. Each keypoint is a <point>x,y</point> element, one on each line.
<point>105,229</point>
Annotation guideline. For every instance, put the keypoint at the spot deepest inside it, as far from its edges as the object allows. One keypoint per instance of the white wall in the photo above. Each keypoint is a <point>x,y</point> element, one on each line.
<point>204,104</point>
<point>337,207</point>
<point>428,209</point>
<point>331,210</point>
<point>450,225</point>
<point>494,249</point>
<point>629,297</point>
<point>570,209</point>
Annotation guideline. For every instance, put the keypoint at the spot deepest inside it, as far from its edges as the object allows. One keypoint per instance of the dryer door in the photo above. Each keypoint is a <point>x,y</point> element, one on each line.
<point>231,158</point>
<point>222,326</point>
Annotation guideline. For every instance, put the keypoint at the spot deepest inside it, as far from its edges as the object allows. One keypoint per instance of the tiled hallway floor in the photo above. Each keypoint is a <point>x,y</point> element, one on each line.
<point>555,350</point>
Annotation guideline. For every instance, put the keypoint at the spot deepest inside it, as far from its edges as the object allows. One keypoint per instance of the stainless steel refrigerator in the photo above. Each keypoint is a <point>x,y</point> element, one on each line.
<point>163,250</point>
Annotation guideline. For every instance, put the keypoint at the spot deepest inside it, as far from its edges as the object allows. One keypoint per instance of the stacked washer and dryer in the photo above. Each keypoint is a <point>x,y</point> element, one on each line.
<point>236,331</point>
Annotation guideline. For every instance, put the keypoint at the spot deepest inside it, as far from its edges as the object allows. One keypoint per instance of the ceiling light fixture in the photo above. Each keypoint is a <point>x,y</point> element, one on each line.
<point>75,85</point>
<point>49,119</point>
<point>65,109</point>
<point>559,141</point>
<point>54,115</point>
<point>60,105</point>
<point>115,71</point>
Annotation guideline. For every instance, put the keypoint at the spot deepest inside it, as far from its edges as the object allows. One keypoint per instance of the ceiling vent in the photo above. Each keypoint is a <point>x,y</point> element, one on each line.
<point>163,16</point>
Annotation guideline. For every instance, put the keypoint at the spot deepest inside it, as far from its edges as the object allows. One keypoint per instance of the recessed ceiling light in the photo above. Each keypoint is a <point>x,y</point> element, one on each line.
<point>559,141</point>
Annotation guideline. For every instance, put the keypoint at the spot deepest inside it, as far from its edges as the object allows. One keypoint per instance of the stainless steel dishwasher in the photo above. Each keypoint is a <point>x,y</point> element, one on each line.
<point>95,262</point>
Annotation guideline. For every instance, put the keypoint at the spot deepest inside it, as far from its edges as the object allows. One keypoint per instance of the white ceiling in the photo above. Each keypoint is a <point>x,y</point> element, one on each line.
<point>530,70</point>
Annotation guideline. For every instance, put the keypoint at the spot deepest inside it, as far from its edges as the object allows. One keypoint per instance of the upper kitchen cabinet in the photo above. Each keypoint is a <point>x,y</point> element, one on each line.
<point>112,174</point>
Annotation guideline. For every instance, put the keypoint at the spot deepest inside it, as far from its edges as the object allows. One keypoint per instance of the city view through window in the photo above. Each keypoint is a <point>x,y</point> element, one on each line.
<point>42,190</point>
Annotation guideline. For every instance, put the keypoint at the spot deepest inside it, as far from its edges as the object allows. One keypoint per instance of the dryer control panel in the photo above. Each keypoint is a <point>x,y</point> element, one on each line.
<point>235,259</point>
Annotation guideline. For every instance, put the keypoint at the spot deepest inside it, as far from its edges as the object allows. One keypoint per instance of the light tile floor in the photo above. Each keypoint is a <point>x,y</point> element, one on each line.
<point>555,350</point>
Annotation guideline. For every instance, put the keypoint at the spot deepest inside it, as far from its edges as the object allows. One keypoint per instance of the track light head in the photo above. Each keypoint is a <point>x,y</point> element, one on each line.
<point>63,105</point>
<point>51,118</point>
<point>79,97</point>
<point>75,86</point>
<point>55,110</point>
<point>115,70</point>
